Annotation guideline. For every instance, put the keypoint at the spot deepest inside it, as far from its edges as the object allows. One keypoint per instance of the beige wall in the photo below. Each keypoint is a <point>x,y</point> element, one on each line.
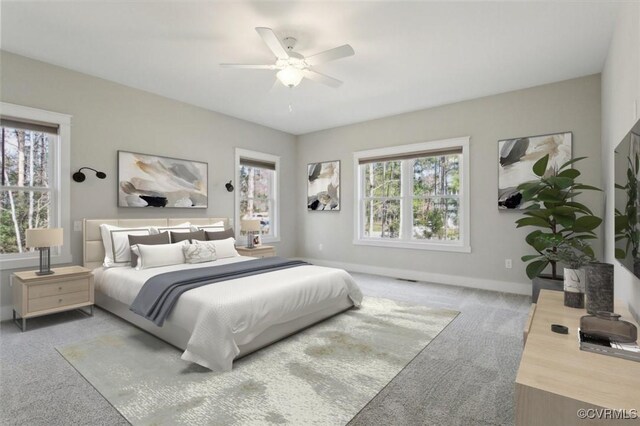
<point>620,110</point>
<point>572,105</point>
<point>108,117</point>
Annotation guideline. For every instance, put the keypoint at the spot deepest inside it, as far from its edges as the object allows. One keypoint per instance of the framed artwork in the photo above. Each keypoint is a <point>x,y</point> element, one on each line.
<point>146,180</point>
<point>323,186</point>
<point>516,158</point>
<point>257,240</point>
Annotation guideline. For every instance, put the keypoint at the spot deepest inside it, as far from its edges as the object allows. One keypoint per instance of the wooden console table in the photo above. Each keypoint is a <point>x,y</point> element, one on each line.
<point>556,379</point>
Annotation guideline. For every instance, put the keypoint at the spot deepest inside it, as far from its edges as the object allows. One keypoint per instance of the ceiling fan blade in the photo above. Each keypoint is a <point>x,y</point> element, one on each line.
<point>321,78</point>
<point>330,55</point>
<point>273,42</point>
<point>249,66</point>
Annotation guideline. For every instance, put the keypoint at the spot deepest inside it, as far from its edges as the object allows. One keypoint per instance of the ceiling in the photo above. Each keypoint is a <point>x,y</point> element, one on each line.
<point>409,55</point>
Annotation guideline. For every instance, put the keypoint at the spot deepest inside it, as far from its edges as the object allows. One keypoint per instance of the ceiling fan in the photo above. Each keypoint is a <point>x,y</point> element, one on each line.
<point>293,67</point>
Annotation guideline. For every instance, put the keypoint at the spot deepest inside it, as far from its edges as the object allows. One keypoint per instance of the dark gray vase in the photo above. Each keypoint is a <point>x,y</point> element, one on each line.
<point>599,288</point>
<point>545,282</point>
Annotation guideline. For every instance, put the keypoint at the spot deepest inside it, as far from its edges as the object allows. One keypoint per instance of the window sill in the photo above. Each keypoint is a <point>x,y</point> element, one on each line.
<point>32,261</point>
<point>459,248</point>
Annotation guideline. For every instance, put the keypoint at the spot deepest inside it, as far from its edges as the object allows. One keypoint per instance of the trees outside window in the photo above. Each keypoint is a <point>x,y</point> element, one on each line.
<point>257,192</point>
<point>414,196</point>
<point>26,197</point>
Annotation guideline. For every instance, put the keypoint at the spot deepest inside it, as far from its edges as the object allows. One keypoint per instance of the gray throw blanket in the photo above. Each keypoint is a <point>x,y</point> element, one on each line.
<point>161,292</point>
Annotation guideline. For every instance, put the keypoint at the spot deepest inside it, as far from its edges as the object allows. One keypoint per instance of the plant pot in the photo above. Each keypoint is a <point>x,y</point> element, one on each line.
<point>599,289</point>
<point>545,282</point>
<point>574,287</point>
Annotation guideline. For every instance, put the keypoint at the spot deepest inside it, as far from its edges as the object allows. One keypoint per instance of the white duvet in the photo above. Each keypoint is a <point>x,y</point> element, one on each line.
<point>224,315</point>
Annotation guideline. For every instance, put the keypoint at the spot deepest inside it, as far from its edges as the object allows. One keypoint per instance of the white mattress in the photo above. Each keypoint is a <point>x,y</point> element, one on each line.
<point>224,315</point>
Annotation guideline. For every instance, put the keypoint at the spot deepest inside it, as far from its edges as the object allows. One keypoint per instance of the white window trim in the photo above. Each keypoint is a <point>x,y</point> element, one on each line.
<point>261,156</point>
<point>464,244</point>
<point>60,182</point>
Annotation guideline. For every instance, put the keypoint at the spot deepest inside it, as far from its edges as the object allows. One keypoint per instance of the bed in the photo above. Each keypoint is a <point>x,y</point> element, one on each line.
<point>216,324</point>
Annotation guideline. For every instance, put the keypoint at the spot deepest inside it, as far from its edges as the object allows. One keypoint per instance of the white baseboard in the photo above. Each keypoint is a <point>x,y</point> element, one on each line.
<point>460,281</point>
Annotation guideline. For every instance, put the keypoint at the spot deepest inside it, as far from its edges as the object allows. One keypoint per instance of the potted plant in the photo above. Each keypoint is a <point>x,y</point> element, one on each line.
<point>573,254</point>
<point>560,220</point>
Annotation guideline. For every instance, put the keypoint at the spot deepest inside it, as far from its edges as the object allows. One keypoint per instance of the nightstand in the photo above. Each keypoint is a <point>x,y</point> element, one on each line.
<point>259,251</point>
<point>66,289</point>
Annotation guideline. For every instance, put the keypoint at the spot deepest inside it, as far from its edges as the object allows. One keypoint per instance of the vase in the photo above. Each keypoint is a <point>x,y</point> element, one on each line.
<point>599,287</point>
<point>574,287</point>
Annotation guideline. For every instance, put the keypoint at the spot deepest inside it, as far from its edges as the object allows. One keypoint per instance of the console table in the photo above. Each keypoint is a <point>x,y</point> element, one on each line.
<point>556,379</point>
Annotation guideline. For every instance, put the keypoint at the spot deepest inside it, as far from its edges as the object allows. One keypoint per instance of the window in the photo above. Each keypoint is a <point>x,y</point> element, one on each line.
<point>414,196</point>
<point>32,157</point>
<point>256,192</point>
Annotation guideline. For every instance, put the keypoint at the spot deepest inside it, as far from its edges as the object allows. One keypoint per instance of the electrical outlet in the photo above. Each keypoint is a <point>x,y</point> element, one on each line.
<point>77,225</point>
<point>320,247</point>
<point>508,264</point>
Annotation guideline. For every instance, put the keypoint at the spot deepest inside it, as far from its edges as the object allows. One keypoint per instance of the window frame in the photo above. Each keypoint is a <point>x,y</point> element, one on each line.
<point>275,186</point>
<point>59,184</point>
<point>406,240</point>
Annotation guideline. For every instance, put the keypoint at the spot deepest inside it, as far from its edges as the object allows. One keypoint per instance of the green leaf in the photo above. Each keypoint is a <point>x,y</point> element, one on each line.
<point>620,254</point>
<point>550,195</point>
<point>570,162</point>
<point>579,206</point>
<point>618,186</point>
<point>532,221</point>
<point>621,223</point>
<point>569,173</point>
<point>535,268</point>
<point>531,238</point>
<point>542,213</point>
<point>540,166</point>
<point>586,223</point>
<point>587,187</point>
<point>560,182</point>
<point>529,257</point>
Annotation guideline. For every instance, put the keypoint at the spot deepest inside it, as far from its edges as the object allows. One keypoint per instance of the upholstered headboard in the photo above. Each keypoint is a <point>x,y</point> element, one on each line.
<point>93,249</point>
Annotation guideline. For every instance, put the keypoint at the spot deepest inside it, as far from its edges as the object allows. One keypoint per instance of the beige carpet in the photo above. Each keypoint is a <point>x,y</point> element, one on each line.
<point>323,375</point>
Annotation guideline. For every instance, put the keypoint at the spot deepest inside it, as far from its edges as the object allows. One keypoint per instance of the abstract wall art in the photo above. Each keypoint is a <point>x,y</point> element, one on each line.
<point>154,181</point>
<point>323,186</point>
<point>516,159</point>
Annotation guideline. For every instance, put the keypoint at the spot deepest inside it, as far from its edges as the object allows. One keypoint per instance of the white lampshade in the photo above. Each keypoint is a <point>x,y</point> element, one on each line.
<point>250,225</point>
<point>290,76</point>
<point>44,237</point>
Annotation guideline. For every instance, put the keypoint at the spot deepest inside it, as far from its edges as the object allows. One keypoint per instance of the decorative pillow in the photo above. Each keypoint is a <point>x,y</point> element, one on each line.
<point>162,238</point>
<point>187,236</point>
<point>201,251</point>
<point>224,248</point>
<point>117,250</point>
<point>216,226</point>
<point>153,256</point>
<point>183,227</point>
<point>220,235</point>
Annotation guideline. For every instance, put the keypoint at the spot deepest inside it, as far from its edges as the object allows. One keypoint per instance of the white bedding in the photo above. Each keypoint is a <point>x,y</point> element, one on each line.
<point>224,315</point>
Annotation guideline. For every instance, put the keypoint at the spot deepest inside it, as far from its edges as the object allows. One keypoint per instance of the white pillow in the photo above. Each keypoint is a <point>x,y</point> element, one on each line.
<point>183,227</point>
<point>213,227</point>
<point>153,256</point>
<point>200,251</point>
<point>117,251</point>
<point>224,248</point>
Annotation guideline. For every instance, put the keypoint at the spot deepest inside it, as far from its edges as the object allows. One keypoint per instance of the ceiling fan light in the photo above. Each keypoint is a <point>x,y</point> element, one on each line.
<point>290,76</point>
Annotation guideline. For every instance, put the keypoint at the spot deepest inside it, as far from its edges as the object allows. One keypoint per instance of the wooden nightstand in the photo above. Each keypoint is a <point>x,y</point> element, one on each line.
<point>66,289</point>
<point>260,251</point>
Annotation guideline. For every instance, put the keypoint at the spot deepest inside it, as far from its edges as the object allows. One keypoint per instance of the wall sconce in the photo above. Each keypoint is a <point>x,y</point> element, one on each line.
<point>229,186</point>
<point>80,177</point>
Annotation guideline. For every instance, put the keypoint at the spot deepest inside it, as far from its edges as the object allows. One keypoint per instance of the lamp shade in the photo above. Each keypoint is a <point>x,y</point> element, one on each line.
<point>44,237</point>
<point>250,225</point>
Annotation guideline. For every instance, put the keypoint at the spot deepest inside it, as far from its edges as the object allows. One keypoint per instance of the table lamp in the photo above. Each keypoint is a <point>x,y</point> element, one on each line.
<point>43,239</point>
<point>250,227</point>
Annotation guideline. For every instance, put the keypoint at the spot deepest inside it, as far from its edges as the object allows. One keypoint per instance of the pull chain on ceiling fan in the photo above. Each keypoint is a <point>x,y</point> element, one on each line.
<point>292,67</point>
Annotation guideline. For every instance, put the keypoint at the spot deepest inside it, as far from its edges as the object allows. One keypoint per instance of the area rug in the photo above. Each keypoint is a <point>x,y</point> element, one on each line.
<point>323,375</point>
